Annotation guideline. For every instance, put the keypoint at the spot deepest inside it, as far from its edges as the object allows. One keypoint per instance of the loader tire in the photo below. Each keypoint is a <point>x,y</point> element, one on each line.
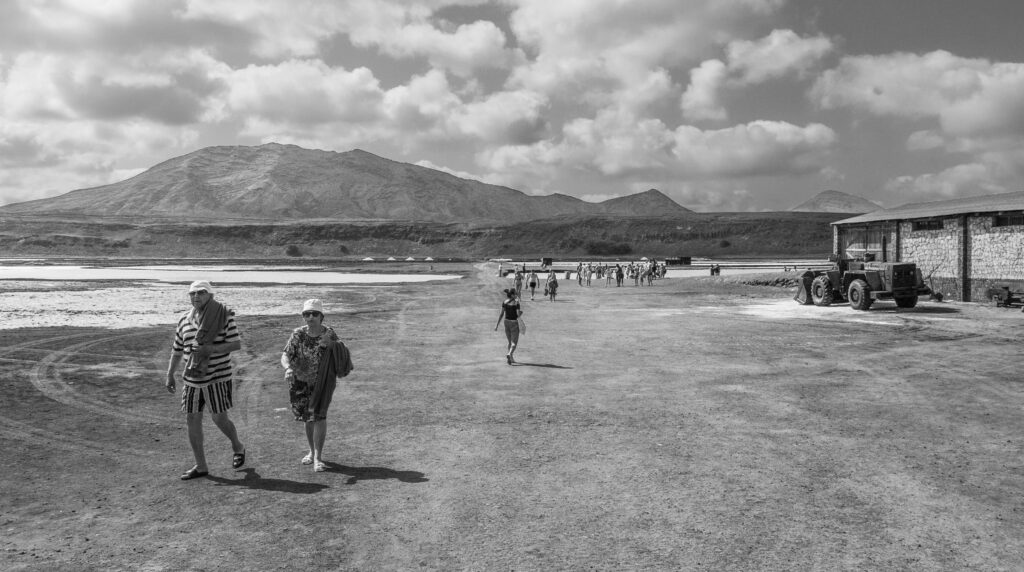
<point>821,291</point>
<point>859,295</point>
<point>906,301</point>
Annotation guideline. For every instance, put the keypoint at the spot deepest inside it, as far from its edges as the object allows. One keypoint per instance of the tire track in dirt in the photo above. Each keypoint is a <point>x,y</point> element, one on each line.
<point>46,380</point>
<point>30,433</point>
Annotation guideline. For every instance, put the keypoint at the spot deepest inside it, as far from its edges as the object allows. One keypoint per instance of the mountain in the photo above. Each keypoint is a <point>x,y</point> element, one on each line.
<point>836,202</point>
<point>275,182</point>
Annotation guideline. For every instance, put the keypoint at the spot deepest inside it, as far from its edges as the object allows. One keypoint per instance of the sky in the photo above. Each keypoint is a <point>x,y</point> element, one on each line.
<point>722,105</point>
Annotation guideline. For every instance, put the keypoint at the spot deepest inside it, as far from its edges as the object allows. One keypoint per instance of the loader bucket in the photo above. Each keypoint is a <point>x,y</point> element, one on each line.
<point>803,289</point>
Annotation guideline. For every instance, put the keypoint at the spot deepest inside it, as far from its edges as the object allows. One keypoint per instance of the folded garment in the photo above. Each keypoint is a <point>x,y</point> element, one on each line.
<point>211,320</point>
<point>336,362</point>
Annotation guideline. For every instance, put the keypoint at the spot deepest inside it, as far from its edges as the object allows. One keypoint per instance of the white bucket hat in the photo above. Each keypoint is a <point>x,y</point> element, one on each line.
<point>313,305</point>
<point>200,285</point>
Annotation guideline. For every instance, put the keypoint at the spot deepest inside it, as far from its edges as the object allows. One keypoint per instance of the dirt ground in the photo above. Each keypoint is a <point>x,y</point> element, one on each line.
<point>698,424</point>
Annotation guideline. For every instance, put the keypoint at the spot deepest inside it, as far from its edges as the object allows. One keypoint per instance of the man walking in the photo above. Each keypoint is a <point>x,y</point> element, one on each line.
<point>206,335</point>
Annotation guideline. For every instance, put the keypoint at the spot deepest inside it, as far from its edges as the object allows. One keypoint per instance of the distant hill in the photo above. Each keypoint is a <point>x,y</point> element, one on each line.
<point>276,182</point>
<point>836,202</point>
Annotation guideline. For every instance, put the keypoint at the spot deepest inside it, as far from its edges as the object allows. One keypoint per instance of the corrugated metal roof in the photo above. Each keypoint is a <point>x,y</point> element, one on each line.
<point>983,204</point>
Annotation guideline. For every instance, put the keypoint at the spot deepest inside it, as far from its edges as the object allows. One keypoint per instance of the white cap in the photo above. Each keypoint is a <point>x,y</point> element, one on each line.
<point>313,305</point>
<point>200,285</point>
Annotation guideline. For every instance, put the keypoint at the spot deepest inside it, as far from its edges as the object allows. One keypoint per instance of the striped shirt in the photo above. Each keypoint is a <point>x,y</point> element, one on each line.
<point>220,368</point>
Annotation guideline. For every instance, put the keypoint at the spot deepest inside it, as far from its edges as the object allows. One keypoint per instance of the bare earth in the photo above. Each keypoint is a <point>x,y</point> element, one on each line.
<point>695,425</point>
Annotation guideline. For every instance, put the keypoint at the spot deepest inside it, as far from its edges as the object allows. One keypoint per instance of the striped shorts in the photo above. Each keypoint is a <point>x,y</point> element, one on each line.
<point>216,394</point>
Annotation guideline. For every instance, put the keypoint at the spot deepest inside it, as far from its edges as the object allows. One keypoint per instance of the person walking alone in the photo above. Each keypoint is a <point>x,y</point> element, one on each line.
<point>511,313</point>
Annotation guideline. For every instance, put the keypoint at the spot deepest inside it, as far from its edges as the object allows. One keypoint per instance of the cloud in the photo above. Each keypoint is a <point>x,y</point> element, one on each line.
<point>173,89</point>
<point>615,143</point>
<point>974,103</point>
<point>969,97</point>
<point>469,47</point>
<point>606,44</point>
<point>780,53</point>
<point>304,92</point>
<point>925,140</point>
<point>620,145</point>
<point>701,100</point>
<point>756,148</point>
<point>504,117</point>
<point>970,179</point>
<point>298,29</point>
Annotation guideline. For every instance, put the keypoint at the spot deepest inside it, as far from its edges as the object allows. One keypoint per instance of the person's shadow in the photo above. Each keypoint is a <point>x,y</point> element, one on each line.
<point>356,474</point>
<point>551,365</point>
<point>253,480</point>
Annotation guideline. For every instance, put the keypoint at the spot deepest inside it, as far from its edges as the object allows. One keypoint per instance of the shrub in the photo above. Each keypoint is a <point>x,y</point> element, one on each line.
<point>293,250</point>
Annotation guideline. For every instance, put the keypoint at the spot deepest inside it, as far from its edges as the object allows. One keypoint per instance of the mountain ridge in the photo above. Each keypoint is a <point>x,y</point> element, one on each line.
<point>286,182</point>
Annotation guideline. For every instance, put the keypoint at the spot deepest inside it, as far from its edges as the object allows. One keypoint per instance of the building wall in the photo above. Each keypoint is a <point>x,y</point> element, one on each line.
<point>938,253</point>
<point>996,257</point>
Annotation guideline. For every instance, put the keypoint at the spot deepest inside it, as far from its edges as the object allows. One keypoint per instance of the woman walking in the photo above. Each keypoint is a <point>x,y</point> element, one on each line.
<point>552,286</point>
<point>313,359</point>
<point>511,312</point>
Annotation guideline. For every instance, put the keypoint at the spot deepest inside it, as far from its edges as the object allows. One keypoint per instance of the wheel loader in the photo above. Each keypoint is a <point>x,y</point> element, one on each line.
<point>861,281</point>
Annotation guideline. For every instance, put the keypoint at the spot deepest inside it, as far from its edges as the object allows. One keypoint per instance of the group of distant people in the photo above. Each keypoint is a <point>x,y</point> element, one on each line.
<point>204,339</point>
<point>640,272</point>
<point>511,312</point>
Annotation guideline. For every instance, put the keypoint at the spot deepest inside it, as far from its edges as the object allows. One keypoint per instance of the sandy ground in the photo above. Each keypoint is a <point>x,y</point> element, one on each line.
<point>695,425</point>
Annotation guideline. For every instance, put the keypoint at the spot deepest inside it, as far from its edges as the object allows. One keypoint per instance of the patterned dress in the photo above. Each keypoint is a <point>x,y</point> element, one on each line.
<point>303,354</point>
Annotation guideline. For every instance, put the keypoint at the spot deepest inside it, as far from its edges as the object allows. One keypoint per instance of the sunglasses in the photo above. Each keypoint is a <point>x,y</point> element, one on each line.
<point>311,313</point>
<point>197,293</point>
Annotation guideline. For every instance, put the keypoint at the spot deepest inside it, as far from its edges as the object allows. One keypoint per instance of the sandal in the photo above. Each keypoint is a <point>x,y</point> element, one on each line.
<point>319,466</point>
<point>308,459</point>
<point>238,459</point>
<point>193,473</point>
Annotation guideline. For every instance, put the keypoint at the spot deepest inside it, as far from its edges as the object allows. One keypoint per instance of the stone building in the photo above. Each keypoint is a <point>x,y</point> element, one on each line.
<point>963,247</point>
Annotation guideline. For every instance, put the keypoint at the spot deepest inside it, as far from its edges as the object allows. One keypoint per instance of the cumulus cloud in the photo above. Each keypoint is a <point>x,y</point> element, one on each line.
<point>305,92</point>
<point>756,148</point>
<point>780,53</point>
<point>620,145</point>
<point>701,100</point>
<point>298,28</point>
<point>594,45</point>
<point>969,97</point>
<point>175,89</point>
<point>974,103</point>
<point>514,117</point>
<point>969,179</point>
